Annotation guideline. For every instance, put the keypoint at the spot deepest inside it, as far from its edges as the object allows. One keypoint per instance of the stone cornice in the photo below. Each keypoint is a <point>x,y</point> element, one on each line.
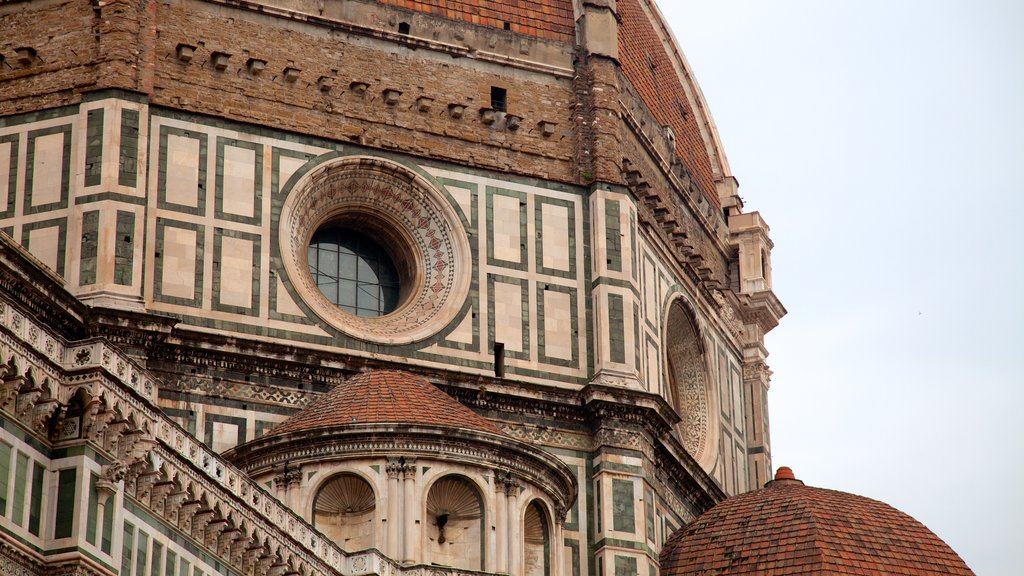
<point>488,451</point>
<point>40,293</point>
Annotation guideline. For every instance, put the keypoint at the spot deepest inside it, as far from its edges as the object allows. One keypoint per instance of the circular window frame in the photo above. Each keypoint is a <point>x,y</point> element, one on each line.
<point>700,428</point>
<point>412,220</point>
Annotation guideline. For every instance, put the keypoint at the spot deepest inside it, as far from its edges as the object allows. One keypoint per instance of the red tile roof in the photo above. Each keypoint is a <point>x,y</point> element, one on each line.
<point>648,67</point>
<point>549,19</point>
<point>385,397</point>
<point>788,528</point>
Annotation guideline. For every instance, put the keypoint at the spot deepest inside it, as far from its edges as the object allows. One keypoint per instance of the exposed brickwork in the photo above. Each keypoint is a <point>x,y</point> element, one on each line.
<point>549,19</point>
<point>788,529</point>
<point>61,33</point>
<point>648,67</point>
<point>385,397</point>
<point>332,108</point>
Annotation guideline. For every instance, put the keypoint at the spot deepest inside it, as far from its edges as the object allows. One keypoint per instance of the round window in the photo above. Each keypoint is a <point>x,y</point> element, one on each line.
<point>354,272</point>
<point>375,250</point>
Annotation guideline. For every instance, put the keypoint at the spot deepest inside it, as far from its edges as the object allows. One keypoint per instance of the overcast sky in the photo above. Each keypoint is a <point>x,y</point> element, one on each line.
<point>883,142</point>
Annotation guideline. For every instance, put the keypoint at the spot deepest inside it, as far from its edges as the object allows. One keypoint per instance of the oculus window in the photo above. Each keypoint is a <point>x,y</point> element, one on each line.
<point>354,272</point>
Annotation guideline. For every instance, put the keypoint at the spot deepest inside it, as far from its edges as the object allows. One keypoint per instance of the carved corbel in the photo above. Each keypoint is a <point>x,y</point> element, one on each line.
<point>94,418</point>
<point>27,396</point>
<point>12,383</point>
<point>110,476</point>
<point>45,407</point>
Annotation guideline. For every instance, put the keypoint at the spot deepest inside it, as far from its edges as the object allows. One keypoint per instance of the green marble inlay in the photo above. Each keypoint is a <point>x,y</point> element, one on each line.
<point>275,166</point>
<point>161,183</point>
<point>35,510</point>
<point>172,560</point>
<point>93,513</point>
<point>625,566</point>
<point>524,316</point>
<point>162,224</point>
<point>62,237</point>
<point>108,540</point>
<point>492,260</point>
<point>616,329</point>
<point>257,192</point>
<point>613,235</point>
<point>649,513</point>
<point>124,251</point>
<point>127,547</point>
<point>634,258</point>
<point>12,174</point>
<point>574,361</point>
<point>65,169</point>
<point>20,484</point>
<point>158,552</point>
<point>5,474</point>
<point>141,553</point>
<point>128,155</point>
<point>570,208</point>
<point>218,254</point>
<point>66,497</point>
<point>623,514</point>
<point>90,245</point>
<point>636,337</point>
<point>94,147</point>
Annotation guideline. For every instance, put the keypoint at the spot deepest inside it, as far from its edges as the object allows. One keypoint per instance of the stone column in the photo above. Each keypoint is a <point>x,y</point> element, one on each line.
<point>515,532</point>
<point>558,540</point>
<point>411,541</point>
<point>501,525</point>
<point>394,470</point>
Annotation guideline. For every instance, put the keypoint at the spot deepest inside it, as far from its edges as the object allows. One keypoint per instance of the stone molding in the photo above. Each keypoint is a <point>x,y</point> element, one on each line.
<point>515,458</point>
<point>412,218</point>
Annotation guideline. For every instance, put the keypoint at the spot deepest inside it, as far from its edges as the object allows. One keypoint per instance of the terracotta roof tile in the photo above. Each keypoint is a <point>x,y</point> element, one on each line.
<point>648,67</point>
<point>385,397</point>
<point>788,529</point>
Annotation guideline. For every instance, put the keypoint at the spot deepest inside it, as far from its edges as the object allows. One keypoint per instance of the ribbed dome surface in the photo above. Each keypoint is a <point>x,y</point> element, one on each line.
<point>788,528</point>
<point>384,397</point>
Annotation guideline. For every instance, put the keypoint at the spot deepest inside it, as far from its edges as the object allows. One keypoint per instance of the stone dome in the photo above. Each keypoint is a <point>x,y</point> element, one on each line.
<point>788,528</point>
<point>384,397</point>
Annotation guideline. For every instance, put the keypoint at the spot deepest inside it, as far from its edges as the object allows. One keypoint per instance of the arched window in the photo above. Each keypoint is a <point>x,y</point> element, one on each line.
<point>455,520</point>
<point>688,381</point>
<point>343,510</point>
<point>537,542</point>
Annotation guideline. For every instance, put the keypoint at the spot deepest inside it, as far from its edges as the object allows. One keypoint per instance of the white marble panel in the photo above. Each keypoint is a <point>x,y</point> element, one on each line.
<point>507,233</point>
<point>182,170</point>
<point>239,191</point>
<point>558,334</point>
<point>47,168</point>
<point>236,263</point>
<point>179,263</point>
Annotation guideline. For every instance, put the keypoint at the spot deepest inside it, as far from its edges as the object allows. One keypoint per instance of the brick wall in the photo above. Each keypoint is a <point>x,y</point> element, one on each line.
<point>550,19</point>
<point>648,66</point>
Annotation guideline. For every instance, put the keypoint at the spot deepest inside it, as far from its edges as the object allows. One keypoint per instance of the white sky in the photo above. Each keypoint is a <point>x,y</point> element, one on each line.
<point>883,141</point>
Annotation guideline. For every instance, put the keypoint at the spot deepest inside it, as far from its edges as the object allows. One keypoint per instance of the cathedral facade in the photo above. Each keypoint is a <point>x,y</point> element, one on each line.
<point>296,287</point>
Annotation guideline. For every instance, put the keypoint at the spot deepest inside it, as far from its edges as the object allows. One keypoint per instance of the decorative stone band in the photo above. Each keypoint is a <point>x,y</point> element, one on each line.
<point>513,458</point>
<point>406,213</point>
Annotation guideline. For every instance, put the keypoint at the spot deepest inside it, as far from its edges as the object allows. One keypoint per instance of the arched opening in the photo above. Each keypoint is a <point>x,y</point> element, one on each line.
<point>343,510</point>
<point>536,542</point>
<point>688,380</point>
<point>454,529</point>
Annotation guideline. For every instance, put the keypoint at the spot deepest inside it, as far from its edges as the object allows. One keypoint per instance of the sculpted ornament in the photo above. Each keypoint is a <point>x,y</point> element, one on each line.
<point>728,314</point>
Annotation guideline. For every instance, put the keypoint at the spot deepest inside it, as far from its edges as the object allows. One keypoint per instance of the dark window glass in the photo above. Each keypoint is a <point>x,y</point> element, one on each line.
<point>353,272</point>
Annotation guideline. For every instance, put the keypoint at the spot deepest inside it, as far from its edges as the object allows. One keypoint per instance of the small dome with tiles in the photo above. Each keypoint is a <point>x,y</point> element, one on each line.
<point>788,528</point>
<point>384,397</point>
